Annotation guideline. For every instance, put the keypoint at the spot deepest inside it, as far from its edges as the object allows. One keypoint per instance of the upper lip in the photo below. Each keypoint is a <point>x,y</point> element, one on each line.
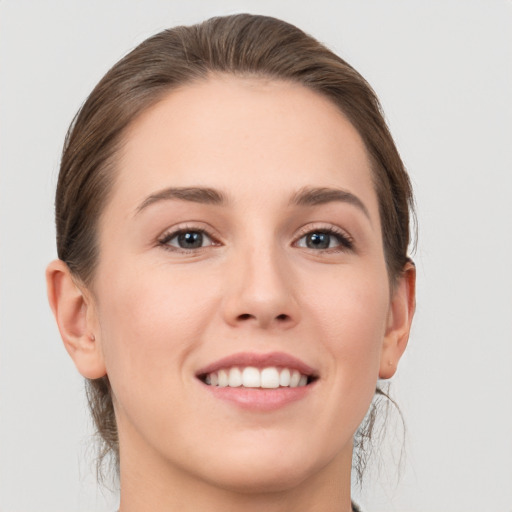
<point>259,361</point>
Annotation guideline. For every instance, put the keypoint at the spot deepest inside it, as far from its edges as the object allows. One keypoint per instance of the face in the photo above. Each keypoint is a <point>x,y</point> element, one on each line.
<point>241,245</point>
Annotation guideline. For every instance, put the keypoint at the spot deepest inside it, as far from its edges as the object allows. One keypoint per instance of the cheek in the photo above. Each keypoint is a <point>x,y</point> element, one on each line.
<point>152,320</point>
<point>358,317</point>
<point>150,324</point>
<point>353,319</point>
<point>353,307</point>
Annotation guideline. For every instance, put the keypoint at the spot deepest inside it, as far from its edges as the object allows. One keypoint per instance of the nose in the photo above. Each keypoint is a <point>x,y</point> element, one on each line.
<point>261,292</point>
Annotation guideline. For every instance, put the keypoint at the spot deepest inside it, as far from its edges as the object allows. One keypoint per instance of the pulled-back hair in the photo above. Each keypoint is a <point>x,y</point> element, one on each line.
<point>243,45</point>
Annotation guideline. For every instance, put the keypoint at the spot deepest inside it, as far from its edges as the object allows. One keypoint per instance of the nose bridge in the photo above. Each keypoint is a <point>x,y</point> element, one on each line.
<point>261,287</point>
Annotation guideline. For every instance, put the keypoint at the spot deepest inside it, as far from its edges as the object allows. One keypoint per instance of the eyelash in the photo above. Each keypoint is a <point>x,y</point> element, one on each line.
<point>345,242</point>
<point>167,237</point>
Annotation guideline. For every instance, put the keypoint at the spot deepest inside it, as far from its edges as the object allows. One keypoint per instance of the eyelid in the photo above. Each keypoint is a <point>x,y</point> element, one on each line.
<point>346,241</point>
<point>174,231</point>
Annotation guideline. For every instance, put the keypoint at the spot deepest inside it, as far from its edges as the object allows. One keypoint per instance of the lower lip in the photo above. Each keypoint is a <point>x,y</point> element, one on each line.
<point>259,399</point>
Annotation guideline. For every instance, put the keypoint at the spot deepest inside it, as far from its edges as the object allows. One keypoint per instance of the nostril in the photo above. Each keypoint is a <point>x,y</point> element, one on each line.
<point>283,317</point>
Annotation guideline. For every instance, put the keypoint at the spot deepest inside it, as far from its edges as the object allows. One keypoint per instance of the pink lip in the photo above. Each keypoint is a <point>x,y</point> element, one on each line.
<point>258,399</point>
<point>258,361</point>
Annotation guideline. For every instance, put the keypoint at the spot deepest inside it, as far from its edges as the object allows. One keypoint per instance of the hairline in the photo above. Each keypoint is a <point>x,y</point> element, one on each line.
<point>111,165</point>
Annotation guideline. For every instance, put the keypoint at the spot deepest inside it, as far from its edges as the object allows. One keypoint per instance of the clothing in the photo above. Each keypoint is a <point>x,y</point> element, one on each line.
<point>355,508</point>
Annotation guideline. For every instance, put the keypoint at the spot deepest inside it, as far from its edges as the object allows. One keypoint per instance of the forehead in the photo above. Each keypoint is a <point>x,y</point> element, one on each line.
<point>248,136</point>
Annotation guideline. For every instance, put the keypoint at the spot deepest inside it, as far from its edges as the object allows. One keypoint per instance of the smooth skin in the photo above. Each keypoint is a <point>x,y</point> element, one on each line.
<point>255,279</point>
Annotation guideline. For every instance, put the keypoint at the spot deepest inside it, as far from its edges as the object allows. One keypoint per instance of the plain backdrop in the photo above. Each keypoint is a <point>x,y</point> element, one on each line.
<point>443,70</point>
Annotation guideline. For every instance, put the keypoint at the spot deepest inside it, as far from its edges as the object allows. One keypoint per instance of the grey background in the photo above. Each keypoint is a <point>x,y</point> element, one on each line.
<point>443,72</point>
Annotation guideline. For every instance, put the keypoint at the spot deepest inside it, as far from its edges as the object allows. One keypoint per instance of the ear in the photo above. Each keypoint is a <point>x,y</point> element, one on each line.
<point>401,311</point>
<point>76,319</point>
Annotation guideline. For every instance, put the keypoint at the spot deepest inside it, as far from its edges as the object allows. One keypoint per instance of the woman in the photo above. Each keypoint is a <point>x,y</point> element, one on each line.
<point>232,231</point>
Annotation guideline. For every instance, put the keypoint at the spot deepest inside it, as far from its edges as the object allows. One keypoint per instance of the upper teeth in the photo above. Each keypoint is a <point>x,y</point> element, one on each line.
<point>251,377</point>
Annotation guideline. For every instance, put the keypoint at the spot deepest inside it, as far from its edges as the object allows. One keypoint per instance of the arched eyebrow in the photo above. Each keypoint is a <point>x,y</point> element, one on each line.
<point>202,195</point>
<point>307,196</point>
<point>312,196</point>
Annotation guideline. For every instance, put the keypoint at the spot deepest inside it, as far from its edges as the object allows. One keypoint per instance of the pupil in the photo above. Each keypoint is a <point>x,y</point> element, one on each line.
<point>190,240</point>
<point>318,241</point>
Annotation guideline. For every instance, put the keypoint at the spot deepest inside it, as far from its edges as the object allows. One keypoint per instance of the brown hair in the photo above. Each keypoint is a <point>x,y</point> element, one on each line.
<point>242,45</point>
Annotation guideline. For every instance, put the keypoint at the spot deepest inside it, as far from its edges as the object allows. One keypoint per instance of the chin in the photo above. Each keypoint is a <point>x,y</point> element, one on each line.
<point>267,470</point>
<point>263,478</point>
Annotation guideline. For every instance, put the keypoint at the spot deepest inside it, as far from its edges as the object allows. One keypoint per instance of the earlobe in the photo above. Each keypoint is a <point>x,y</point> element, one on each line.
<point>401,312</point>
<point>74,313</point>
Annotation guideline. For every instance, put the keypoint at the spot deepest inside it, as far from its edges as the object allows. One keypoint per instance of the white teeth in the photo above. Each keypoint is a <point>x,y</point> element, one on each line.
<point>294,379</point>
<point>284,377</point>
<point>269,378</point>
<point>235,378</point>
<point>223,379</point>
<point>251,377</point>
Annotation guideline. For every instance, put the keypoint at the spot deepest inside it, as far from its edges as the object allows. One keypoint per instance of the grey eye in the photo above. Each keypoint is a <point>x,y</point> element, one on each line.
<point>320,240</point>
<point>188,239</point>
<point>324,239</point>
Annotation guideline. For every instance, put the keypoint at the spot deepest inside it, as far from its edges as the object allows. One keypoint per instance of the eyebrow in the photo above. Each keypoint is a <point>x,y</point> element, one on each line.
<point>202,195</point>
<point>308,196</point>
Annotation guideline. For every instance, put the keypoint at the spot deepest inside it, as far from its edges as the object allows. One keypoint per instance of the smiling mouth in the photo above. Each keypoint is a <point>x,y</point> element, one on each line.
<point>271,377</point>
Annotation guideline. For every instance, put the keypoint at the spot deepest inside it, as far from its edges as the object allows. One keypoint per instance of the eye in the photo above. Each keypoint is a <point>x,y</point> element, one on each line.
<point>186,239</point>
<point>324,239</point>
